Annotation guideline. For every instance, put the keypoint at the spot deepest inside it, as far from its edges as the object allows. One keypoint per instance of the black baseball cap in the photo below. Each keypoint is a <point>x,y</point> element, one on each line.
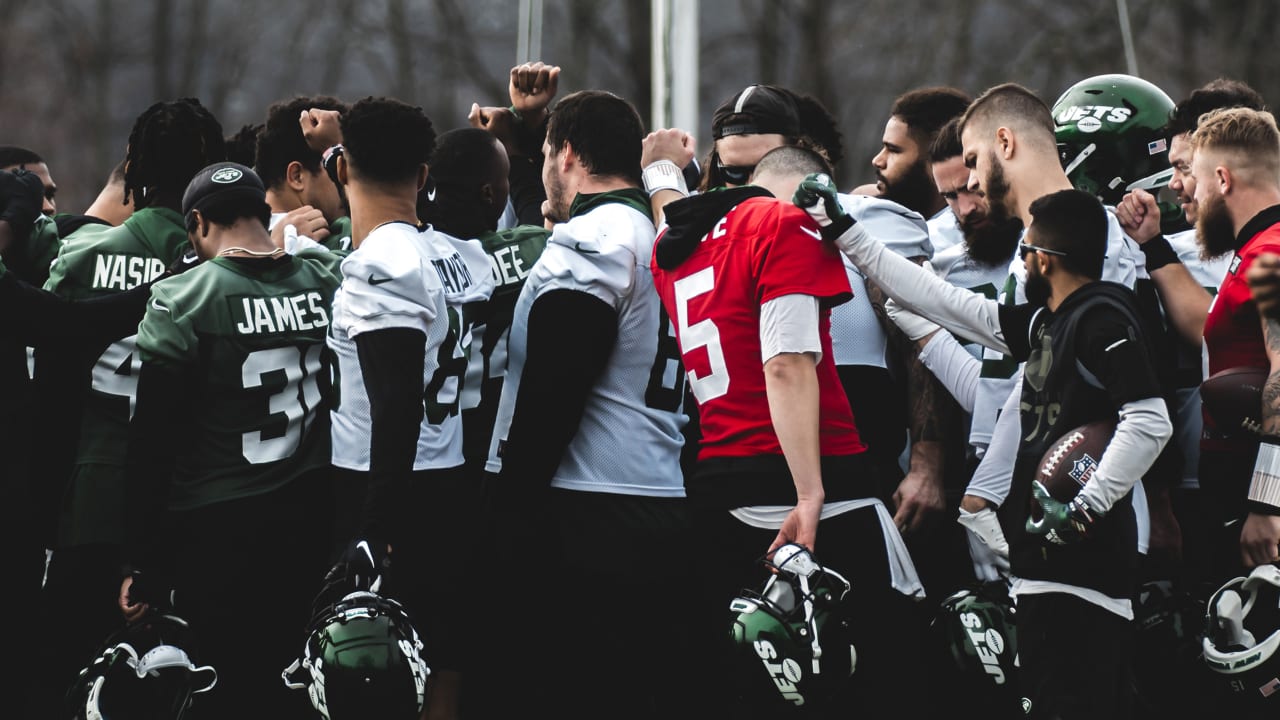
<point>757,110</point>
<point>223,183</point>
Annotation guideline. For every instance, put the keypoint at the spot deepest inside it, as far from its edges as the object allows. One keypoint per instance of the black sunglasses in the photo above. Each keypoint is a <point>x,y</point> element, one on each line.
<point>736,174</point>
<point>1024,248</point>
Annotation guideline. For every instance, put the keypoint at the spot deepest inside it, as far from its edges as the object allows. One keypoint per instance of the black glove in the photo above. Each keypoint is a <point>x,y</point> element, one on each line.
<point>152,587</point>
<point>22,199</point>
<point>365,565</point>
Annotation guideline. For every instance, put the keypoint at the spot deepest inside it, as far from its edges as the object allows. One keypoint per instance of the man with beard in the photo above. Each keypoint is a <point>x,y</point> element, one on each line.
<point>985,243</point>
<point>1187,275</point>
<point>1088,360</point>
<point>979,262</point>
<point>1010,150</point>
<point>1182,268</point>
<point>1236,167</point>
<point>902,165</point>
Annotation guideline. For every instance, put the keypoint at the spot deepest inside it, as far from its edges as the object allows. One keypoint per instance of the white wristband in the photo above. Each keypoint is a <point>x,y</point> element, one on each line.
<point>664,175</point>
<point>1265,487</point>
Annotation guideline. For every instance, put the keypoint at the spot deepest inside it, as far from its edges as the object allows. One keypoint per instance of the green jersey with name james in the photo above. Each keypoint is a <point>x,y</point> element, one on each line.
<point>251,336</point>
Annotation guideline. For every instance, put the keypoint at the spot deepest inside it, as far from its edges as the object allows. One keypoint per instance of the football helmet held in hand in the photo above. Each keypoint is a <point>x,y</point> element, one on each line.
<point>362,659</point>
<point>791,640</point>
<point>147,670</point>
<point>1242,633</point>
<point>977,629</point>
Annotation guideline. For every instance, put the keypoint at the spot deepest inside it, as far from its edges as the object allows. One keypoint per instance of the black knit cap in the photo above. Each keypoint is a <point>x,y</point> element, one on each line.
<point>223,183</point>
<point>757,110</point>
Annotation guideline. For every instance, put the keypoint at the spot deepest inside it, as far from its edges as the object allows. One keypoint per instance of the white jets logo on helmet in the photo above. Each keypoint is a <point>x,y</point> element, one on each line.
<point>226,175</point>
<point>1089,118</point>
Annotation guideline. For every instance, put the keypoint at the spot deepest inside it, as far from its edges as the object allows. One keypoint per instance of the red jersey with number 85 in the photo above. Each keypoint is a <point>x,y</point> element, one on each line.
<point>760,250</point>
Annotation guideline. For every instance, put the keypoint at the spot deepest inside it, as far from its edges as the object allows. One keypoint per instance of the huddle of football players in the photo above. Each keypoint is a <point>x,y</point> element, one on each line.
<point>546,416</point>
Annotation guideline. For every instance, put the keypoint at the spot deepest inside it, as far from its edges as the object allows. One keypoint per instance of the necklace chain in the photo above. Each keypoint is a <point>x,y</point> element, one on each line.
<point>251,253</point>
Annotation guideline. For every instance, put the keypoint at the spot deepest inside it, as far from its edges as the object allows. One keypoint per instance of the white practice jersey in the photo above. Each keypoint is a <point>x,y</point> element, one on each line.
<point>956,267</point>
<point>403,277</point>
<point>944,231</point>
<point>857,338</point>
<point>623,446</point>
<point>1189,422</point>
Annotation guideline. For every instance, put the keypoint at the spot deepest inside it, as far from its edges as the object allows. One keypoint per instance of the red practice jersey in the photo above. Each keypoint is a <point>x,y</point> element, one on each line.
<point>761,250</point>
<point>1233,329</point>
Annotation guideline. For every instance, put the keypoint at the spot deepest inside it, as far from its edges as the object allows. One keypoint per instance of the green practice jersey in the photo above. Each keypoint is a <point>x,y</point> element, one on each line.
<point>339,235</point>
<point>98,260</point>
<point>512,253</point>
<point>251,336</point>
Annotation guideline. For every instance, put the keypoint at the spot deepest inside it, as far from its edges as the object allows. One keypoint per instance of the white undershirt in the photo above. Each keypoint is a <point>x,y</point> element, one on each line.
<point>789,324</point>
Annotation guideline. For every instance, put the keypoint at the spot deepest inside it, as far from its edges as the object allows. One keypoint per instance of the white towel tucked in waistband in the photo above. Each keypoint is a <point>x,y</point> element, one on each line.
<point>902,571</point>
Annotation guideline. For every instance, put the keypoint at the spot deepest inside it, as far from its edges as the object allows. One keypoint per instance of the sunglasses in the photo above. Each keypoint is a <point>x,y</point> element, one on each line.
<point>1024,248</point>
<point>735,174</point>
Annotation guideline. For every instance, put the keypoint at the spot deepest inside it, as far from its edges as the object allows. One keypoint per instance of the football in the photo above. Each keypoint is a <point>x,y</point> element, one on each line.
<point>1233,399</point>
<point>1069,463</point>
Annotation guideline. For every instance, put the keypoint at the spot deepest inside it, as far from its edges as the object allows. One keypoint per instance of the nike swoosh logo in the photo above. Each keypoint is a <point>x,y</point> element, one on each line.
<point>816,235</point>
<point>377,281</point>
<point>578,246</point>
<point>158,306</point>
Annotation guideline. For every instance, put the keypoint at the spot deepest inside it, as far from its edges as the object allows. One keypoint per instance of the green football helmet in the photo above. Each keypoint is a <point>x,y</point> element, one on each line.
<point>791,640</point>
<point>1111,139</point>
<point>977,631</point>
<point>362,659</point>
<point>1242,634</point>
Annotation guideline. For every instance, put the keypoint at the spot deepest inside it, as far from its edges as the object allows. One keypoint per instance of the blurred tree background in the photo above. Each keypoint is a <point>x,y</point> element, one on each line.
<point>75,73</point>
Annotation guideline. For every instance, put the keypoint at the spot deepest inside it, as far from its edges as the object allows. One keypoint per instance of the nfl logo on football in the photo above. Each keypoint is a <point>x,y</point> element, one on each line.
<point>1082,469</point>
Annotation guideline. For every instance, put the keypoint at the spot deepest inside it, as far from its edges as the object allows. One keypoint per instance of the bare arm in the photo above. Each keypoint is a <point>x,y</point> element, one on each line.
<point>1260,537</point>
<point>920,493</point>
<point>791,384</point>
<point>1185,302</point>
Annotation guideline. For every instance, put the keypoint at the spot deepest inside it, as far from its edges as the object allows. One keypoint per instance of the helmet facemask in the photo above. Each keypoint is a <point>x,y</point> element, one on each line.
<point>1242,634</point>
<point>362,658</point>
<point>793,631</point>
<point>145,671</point>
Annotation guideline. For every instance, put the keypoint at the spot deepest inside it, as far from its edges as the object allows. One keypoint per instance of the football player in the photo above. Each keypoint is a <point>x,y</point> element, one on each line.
<point>585,451</point>
<point>228,448</point>
<point>86,390</point>
<point>1074,568</point>
<point>1236,168</point>
<point>751,292</point>
<point>299,190</point>
<point>1180,268</point>
<point>400,345</point>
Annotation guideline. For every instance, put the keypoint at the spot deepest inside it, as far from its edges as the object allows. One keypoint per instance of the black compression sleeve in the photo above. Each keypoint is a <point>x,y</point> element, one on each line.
<point>571,336</point>
<point>34,316</point>
<point>158,428</point>
<point>1015,324</point>
<point>392,363</point>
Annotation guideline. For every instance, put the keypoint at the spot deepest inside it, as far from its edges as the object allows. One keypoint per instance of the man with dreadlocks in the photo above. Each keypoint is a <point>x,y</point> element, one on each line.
<point>89,389</point>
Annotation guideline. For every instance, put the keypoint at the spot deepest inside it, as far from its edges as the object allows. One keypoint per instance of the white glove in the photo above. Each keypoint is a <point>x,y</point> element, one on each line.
<point>987,545</point>
<point>912,325</point>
